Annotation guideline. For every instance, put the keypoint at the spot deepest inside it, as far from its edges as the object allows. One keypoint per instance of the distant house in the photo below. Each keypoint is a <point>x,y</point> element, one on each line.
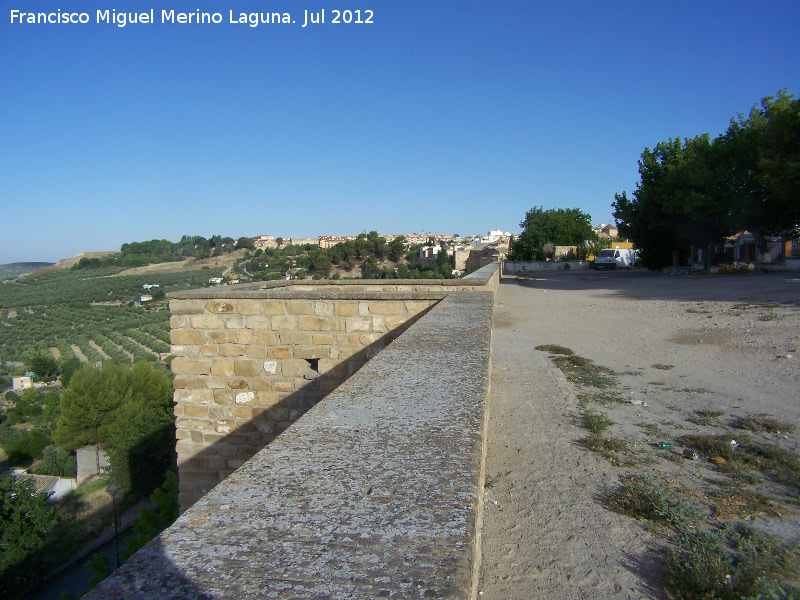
<point>742,247</point>
<point>55,487</point>
<point>261,242</point>
<point>215,280</point>
<point>147,286</point>
<point>145,298</point>
<point>22,382</point>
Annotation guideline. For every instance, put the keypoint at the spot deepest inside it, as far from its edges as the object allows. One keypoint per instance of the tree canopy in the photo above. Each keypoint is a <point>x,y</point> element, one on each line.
<point>98,402</point>
<point>694,192</point>
<point>558,226</point>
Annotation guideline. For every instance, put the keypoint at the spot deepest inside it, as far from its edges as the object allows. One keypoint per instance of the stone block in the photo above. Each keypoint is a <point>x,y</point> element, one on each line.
<point>338,323</point>
<point>191,410</point>
<point>300,307</point>
<point>346,309</point>
<point>282,352</point>
<point>378,324</point>
<point>196,435</point>
<point>321,339</point>
<point>250,307</point>
<point>187,337</point>
<point>414,307</point>
<point>267,338</point>
<point>188,396</point>
<point>256,352</point>
<point>313,323</point>
<point>386,308</point>
<point>237,384</point>
<point>244,398</point>
<point>229,350</point>
<point>218,412</point>
<point>394,321</point>
<point>178,383</point>
<point>190,366</point>
<point>241,336</point>
<point>258,322</point>
<point>347,339</point>
<point>284,323</point>
<point>233,321</point>
<point>193,423</point>
<point>284,386</point>
<point>369,338</point>
<point>295,338</point>
<point>259,383</point>
<point>220,307</point>
<point>186,307</point>
<point>333,368</point>
<point>176,322</point>
<point>241,412</point>
<point>224,426</point>
<point>206,322</point>
<point>217,336</point>
<point>213,438</point>
<point>323,309</point>
<point>247,367</point>
<point>358,324</point>
<point>215,383</point>
<point>224,397</point>
<point>180,350</point>
<point>347,353</point>
<point>271,367</point>
<point>222,367</point>
<point>183,434</point>
<point>311,352</point>
<point>274,307</point>
<point>266,398</point>
<point>293,367</point>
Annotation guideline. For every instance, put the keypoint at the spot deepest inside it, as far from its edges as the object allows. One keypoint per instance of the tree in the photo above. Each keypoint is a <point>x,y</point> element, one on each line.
<point>57,462</point>
<point>695,192</point>
<point>152,522</point>
<point>26,521</point>
<point>245,242</point>
<point>44,365</point>
<point>68,367</point>
<point>676,204</point>
<point>562,227</point>
<point>100,401</point>
<point>762,167</point>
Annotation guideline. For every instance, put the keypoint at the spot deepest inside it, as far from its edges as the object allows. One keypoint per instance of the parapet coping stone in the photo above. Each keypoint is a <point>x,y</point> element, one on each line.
<point>376,492</point>
<point>478,278</point>
<point>235,292</point>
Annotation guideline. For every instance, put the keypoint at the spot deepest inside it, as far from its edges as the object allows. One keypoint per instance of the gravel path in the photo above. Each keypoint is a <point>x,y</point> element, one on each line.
<point>678,345</point>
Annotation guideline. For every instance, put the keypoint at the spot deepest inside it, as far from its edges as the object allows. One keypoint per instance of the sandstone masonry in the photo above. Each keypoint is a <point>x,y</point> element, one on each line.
<point>247,368</point>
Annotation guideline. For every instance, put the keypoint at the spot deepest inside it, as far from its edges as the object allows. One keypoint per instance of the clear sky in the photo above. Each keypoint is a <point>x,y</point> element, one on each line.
<point>443,116</point>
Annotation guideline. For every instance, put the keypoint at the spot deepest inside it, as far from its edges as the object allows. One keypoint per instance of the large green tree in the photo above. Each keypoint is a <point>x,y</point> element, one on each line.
<point>98,402</point>
<point>26,522</point>
<point>561,227</point>
<point>697,191</point>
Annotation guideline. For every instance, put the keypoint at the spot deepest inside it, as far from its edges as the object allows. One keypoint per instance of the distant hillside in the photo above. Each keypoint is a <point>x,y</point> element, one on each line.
<point>66,263</point>
<point>16,269</point>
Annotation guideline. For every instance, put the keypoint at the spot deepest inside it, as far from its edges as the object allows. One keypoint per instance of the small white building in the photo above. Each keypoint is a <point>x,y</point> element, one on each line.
<point>23,382</point>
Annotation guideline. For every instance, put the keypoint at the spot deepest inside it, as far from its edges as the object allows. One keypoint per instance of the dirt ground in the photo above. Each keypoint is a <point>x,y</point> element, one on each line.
<point>726,346</point>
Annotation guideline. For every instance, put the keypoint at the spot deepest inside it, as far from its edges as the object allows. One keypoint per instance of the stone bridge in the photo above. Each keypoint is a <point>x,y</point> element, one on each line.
<point>375,492</point>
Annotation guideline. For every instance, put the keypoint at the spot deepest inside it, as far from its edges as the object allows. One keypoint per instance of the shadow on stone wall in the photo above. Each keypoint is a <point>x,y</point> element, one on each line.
<point>199,473</point>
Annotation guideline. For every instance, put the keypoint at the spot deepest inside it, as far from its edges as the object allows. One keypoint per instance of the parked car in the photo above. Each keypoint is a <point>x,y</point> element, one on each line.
<point>613,258</point>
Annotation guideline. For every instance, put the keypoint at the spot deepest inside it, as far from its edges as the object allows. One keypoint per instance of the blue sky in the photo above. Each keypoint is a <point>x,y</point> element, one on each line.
<point>442,116</point>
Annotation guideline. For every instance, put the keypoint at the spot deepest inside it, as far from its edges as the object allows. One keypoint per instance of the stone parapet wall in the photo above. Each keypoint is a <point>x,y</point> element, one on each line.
<point>374,493</point>
<point>247,368</point>
<point>522,267</point>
